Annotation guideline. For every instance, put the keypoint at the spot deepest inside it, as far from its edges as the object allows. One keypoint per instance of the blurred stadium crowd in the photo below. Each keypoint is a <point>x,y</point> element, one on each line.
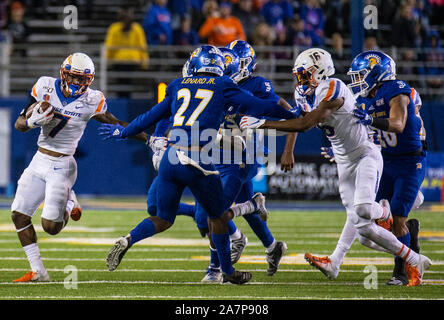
<point>414,26</point>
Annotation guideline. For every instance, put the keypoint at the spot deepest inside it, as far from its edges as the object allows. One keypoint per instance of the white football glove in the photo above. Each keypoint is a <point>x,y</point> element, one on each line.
<point>157,157</point>
<point>157,143</point>
<point>327,153</point>
<point>248,122</point>
<point>38,119</point>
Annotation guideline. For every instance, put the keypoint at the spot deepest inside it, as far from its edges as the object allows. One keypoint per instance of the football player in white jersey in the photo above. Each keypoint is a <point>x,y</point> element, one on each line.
<point>53,170</point>
<point>358,159</point>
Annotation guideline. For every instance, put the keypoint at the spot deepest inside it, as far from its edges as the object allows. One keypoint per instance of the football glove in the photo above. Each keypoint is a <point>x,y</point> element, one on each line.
<point>327,153</point>
<point>363,117</point>
<point>157,157</point>
<point>111,131</point>
<point>248,122</point>
<point>157,143</point>
<point>38,119</point>
<point>296,110</point>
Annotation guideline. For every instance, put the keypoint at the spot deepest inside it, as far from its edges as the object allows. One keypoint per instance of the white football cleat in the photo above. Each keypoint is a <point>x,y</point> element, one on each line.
<point>212,276</point>
<point>323,264</point>
<point>34,276</point>
<point>259,202</point>
<point>237,247</point>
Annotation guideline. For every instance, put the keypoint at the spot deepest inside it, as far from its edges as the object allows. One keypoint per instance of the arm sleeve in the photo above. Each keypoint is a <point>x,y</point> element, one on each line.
<point>144,121</point>
<point>162,127</point>
<point>256,107</point>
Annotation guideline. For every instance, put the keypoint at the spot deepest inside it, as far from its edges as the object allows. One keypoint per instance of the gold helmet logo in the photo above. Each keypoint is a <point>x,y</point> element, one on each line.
<point>228,60</point>
<point>373,60</point>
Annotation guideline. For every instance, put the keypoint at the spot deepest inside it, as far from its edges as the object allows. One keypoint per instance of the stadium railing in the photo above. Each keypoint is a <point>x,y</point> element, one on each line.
<point>22,64</point>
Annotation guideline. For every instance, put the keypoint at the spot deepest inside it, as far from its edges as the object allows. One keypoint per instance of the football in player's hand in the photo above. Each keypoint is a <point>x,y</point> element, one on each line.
<point>42,105</point>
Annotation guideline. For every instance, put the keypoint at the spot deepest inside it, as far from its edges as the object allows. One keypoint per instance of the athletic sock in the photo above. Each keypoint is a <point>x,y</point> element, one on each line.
<point>222,243</point>
<point>186,210</point>
<point>143,230</point>
<point>243,208</point>
<point>235,235</point>
<point>35,260</point>
<point>348,236</point>
<point>260,229</point>
<point>214,259</point>
<point>271,247</point>
<point>232,229</point>
<point>69,206</point>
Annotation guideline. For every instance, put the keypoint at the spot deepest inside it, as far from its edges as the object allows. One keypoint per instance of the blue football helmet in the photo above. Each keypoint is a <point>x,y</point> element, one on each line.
<point>231,63</point>
<point>206,59</point>
<point>247,58</point>
<point>368,69</point>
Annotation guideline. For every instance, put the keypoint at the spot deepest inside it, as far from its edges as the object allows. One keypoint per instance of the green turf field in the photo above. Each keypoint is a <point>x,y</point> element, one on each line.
<point>171,265</point>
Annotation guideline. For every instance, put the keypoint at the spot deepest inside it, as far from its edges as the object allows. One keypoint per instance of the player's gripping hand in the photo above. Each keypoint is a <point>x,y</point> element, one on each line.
<point>363,117</point>
<point>157,143</point>
<point>296,110</point>
<point>39,119</point>
<point>248,122</point>
<point>327,153</point>
<point>111,131</point>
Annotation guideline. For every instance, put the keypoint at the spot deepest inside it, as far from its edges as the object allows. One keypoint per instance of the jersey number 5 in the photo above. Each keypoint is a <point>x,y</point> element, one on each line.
<point>63,121</point>
<point>185,94</point>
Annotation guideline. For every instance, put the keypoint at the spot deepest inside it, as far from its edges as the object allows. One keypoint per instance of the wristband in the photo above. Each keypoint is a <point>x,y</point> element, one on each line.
<point>380,123</point>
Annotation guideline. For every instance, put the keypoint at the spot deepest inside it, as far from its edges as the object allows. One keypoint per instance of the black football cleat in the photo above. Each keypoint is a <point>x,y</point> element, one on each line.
<point>399,276</point>
<point>274,257</point>
<point>237,277</point>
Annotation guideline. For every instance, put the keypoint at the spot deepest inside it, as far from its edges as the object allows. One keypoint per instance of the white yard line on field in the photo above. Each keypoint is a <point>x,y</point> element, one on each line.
<point>196,270</point>
<point>291,283</point>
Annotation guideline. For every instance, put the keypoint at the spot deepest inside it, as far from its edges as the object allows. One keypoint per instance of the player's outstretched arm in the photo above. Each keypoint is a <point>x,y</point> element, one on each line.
<point>396,120</point>
<point>139,124</point>
<point>287,158</point>
<point>249,104</point>
<point>109,118</point>
<point>305,123</point>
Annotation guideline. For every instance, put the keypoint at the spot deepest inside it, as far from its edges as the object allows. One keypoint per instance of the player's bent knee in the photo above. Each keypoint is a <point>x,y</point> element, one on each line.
<point>365,229</point>
<point>161,224</point>
<point>20,220</point>
<point>52,227</point>
<point>364,210</point>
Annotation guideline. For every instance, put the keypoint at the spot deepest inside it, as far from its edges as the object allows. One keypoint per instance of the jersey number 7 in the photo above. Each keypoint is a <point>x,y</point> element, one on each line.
<point>63,121</point>
<point>185,94</point>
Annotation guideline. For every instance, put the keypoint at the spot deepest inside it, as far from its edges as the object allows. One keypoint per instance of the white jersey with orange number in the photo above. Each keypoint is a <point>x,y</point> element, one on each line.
<point>348,138</point>
<point>71,115</point>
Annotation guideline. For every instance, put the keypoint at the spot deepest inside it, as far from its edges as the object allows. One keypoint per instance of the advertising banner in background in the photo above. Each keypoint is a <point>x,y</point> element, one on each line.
<point>432,184</point>
<point>312,178</point>
<point>5,148</point>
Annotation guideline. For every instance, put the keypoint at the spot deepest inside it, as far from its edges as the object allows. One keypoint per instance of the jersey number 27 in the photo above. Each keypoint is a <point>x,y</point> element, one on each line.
<point>185,94</point>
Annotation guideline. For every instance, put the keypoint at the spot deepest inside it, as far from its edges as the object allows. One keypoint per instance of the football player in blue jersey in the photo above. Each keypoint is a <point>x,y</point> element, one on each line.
<point>389,108</point>
<point>197,106</point>
<point>237,175</point>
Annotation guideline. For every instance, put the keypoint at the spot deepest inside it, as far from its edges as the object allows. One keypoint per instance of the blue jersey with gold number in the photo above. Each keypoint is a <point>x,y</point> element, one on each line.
<point>409,140</point>
<point>201,102</point>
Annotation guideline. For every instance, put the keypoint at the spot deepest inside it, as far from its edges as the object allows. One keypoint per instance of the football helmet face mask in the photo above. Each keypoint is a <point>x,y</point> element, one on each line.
<point>368,69</point>
<point>310,67</point>
<point>247,58</point>
<point>76,74</point>
<point>231,63</point>
<point>206,59</point>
